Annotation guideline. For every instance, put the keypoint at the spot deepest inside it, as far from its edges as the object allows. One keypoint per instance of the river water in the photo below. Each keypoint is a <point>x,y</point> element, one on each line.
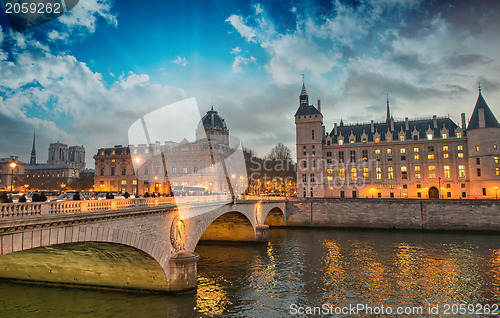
<point>300,269</point>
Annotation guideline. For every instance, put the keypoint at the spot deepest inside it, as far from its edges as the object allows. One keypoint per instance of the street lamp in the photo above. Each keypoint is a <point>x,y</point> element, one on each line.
<point>13,166</point>
<point>496,192</point>
<point>137,160</point>
<point>400,192</point>
<point>372,193</point>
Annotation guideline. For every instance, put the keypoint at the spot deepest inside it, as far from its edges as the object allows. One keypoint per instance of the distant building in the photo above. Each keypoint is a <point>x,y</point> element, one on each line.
<point>6,173</point>
<point>63,166</point>
<point>188,163</point>
<point>423,158</point>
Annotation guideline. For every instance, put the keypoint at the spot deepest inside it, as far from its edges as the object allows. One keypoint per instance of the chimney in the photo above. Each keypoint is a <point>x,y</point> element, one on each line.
<point>319,105</point>
<point>335,129</point>
<point>407,124</point>
<point>463,120</point>
<point>434,121</point>
<point>372,127</point>
<point>482,122</point>
<point>392,123</point>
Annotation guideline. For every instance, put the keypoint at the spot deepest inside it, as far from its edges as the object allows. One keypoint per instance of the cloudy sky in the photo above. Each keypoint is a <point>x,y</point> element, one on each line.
<point>85,77</point>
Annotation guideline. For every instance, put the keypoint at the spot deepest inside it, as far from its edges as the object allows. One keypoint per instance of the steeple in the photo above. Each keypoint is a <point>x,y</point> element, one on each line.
<point>388,119</point>
<point>482,116</point>
<point>33,152</point>
<point>304,98</point>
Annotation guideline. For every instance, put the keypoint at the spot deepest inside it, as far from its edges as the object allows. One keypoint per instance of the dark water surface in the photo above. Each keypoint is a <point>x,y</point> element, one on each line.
<point>299,267</point>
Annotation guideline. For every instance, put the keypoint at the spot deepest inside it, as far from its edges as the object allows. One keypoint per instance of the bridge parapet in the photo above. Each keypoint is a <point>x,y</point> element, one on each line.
<point>30,209</point>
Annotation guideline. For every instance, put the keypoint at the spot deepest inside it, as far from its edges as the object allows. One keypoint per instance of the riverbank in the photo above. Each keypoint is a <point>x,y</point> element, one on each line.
<point>407,214</point>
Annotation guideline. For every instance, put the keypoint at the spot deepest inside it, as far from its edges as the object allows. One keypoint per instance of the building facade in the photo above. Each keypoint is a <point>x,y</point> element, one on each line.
<point>11,173</point>
<point>424,158</point>
<point>160,167</point>
<point>62,168</point>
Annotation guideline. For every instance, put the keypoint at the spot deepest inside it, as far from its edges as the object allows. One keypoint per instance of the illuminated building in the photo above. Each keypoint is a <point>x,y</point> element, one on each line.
<point>188,163</point>
<point>424,158</point>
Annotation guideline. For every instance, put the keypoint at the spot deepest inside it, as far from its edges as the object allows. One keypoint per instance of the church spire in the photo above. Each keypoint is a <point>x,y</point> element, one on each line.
<point>33,152</point>
<point>304,98</point>
<point>388,119</point>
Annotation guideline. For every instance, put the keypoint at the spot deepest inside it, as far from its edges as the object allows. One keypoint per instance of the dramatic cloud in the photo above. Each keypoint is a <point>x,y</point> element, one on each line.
<point>39,88</point>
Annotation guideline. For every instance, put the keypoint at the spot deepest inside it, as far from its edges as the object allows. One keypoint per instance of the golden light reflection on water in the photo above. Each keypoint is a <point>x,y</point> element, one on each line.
<point>495,273</point>
<point>211,296</point>
<point>332,261</point>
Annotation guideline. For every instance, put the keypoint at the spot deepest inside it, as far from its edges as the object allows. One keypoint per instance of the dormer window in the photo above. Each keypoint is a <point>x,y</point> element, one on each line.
<point>341,142</point>
<point>459,135</point>
<point>429,136</point>
<point>444,136</point>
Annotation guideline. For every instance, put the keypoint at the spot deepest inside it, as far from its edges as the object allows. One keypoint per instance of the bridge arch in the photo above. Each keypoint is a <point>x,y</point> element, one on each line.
<point>230,226</point>
<point>275,217</point>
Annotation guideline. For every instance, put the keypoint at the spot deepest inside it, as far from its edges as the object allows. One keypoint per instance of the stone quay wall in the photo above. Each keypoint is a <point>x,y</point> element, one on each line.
<point>409,214</point>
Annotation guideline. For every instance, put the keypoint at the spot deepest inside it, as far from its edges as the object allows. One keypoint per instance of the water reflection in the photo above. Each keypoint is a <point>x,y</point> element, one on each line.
<point>307,267</point>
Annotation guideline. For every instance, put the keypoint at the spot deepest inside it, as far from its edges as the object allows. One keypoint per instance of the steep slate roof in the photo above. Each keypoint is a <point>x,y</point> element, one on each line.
<point>489,117</point>
<point>309,110</point>
<point>421,125</point>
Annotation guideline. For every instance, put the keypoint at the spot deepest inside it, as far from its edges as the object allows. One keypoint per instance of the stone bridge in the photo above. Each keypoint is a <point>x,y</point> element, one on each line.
<point>141,244</point>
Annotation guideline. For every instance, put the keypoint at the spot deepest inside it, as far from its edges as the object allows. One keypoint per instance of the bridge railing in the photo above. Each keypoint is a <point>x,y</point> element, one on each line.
<point>260,198</point>
<point>13,210</point>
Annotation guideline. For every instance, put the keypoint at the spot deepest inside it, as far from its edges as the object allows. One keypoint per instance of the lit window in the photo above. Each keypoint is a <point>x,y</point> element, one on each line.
<point>432,168</point>
<point>341,142</point>
<point>461,171</point>
<point>416,157</point>
<point>329,170</point>
<point>354,174</point>
<point>390,173</point>
<point>330,178</point>
<point>377,151</point>
<point>391,186</point>
<point>495,146</point>
<point>459,135</point>
<point>389,138</point>
<point>401,138</point>
<point>432,175</point>
<point>405,194</point>
<point>445,148</point>
<point>460,147</point>
<point>477,148</point>
<point>460,155</point>
<point>379,173</point>
<point>445,156</point>
<point>417,173</point>
<point>416,149</point>
<point>377,139</point>
<point>342,174</point>
<point>496,159</point>
<point>404,174</point>
<point>402,150</point>
<point>430,156</point>
<point>389,151</point>
<point>124,182</point>
<point>497,171</point>
<point>352,141</point>
<point>444,136</point>
<point>447,172</point>
<point>366,174</point>
<point>429,136</point>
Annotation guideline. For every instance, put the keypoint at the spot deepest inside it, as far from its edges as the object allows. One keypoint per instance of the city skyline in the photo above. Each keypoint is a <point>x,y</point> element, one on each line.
<point>86,77</point>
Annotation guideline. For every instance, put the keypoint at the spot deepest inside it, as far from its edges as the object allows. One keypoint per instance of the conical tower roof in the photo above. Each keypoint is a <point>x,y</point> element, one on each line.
<point>489,118</point>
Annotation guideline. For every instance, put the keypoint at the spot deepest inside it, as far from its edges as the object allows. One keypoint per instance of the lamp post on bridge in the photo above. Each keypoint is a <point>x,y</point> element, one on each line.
<point>13,166</point>
<point>137,160</point>
<point>496,192</point>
